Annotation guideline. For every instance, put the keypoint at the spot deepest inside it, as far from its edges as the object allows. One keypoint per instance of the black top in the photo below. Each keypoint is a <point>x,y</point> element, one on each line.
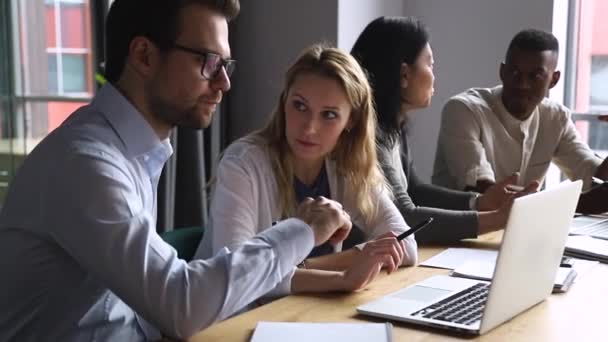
<point>320,187</point>
<point>418,201</point>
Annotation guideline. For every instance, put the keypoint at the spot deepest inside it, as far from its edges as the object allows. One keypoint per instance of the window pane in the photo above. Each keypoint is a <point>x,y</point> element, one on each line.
<point>591,49</point>
<point>52,79</point>
<point>599,82</point>
<point>73,30</point>
<point>48,28</point>
<point>74,73</point>
<point>45,50</point>
<point>590,67</point>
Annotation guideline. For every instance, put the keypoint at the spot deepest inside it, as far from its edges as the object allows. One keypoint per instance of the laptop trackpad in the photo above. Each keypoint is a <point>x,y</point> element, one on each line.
<point>404,302</point>
<point>422,293</point>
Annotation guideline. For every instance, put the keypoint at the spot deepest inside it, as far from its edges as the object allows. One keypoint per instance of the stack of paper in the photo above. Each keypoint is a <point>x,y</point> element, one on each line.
<point>320,332</point>
<point>586,247</point>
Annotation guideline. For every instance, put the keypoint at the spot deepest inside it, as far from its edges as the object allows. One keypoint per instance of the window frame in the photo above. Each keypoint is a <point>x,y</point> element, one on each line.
<point>16,99</point>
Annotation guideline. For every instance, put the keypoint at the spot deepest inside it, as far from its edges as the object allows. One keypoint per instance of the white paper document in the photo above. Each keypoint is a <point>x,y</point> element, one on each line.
<point>483,270</point>
<point>321,332</point>
<point>454,257</point>
<point>582,267</point>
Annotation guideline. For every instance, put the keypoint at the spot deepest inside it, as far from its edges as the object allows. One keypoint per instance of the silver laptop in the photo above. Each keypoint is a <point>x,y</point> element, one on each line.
<point>529,256</point>
<point>593,225</point>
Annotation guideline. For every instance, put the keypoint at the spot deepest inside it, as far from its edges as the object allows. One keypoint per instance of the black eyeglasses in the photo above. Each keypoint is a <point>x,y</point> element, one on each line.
<point>212,62</point>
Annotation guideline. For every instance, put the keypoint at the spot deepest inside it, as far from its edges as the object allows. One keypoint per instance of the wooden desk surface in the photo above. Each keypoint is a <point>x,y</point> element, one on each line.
<point>578,315</point>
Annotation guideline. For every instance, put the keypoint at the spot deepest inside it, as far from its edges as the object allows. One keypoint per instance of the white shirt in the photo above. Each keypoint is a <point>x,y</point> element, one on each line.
<point>480,140</point>
<point>79,255</point>
<point>245,202</point>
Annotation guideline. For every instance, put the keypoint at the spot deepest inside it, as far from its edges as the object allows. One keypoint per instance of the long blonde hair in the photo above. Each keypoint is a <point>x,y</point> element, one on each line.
<point>355,151</point>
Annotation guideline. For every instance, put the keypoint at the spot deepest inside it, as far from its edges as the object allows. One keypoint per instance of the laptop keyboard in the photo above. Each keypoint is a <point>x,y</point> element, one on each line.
<point>464,307</point>
<point>598,230</point>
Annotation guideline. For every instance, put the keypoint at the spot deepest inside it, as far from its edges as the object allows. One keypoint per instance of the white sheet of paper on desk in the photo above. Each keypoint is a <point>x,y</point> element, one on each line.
<point>582,267</point>
<point>321,332</point>
<point>483,270</point>
<point>454,257</point>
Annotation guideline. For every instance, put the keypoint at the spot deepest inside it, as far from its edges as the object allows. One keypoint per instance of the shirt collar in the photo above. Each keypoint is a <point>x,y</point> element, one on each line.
<point>134,131</point>
<point>155,159</point>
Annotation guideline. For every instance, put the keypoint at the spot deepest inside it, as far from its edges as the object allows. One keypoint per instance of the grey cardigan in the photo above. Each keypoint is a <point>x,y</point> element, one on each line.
<point>453,219</point>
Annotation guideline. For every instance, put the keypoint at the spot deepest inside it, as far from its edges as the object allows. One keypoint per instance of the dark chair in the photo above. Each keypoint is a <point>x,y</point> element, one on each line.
<point>184,240</point>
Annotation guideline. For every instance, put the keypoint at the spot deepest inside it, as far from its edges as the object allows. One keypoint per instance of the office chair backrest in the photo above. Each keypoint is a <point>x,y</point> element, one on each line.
<point>184,240</point>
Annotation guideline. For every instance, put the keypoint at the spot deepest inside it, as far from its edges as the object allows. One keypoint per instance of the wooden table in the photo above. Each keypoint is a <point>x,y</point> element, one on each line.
<point>578,315</point>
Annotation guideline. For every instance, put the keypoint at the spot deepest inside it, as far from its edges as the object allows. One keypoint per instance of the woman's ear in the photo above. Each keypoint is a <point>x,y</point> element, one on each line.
<point>404,75</point>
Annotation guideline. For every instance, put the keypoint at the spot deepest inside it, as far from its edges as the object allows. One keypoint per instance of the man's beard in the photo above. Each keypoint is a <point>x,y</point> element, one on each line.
<point>174,115</point>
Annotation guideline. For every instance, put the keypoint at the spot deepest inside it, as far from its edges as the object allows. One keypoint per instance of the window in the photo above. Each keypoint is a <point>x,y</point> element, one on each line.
<point>68,46</point>
<point>598,97</point>
<point>72,77</point>
<point>581,30</point>
<point>46,72</point>
<point>587,88</point>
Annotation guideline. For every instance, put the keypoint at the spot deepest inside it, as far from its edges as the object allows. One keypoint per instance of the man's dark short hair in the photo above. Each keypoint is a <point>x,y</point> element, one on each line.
<point>156,20</point>
<point>533,40</point>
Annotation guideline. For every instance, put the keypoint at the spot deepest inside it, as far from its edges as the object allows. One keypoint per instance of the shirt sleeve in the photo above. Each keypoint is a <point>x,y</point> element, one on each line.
<point>448,225</point>
<point>574,157</point>
<point>461,145</point>
<point>116,242</point>
<point>425,194</point>
<point>234,211</point>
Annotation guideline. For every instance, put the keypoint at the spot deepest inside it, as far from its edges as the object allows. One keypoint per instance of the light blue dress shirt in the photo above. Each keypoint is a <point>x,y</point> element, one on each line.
<point>80,258</point>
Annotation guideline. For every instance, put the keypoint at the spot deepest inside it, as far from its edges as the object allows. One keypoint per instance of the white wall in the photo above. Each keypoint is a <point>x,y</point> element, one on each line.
<point>265,38</point>
<point>560,30</point>
<point>268,35</point>
<point>469,39</point>
<point>354,15</point>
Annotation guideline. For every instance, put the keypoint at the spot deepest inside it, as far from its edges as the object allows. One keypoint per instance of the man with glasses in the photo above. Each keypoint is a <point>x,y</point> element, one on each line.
<point>79,255</point>
<point>490,133</point>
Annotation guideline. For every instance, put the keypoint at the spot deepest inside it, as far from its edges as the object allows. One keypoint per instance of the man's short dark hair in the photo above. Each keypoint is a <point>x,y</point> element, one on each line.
<point>156,20</point>
<point>534,40</point>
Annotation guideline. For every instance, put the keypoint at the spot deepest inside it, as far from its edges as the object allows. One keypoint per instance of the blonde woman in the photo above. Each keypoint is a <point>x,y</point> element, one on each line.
<point>320,142</point>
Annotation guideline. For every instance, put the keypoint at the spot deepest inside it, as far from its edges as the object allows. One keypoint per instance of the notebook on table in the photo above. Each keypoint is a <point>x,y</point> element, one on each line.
<point>587,247</point>
<point>321,332</point>
<point>527,263</point>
